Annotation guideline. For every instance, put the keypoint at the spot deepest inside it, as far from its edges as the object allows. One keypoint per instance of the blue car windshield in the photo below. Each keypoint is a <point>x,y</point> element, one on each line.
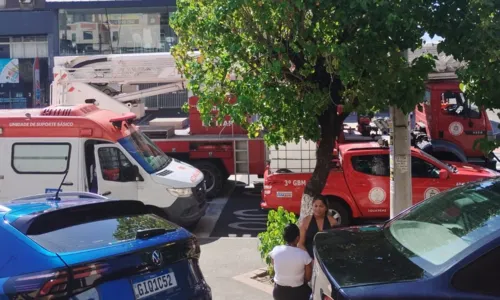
<point>447,227</point>
<point>144,151</point>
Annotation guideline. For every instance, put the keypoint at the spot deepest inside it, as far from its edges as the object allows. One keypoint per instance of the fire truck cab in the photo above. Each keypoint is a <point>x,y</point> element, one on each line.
<point>453,123</point>
<point>84,148</point>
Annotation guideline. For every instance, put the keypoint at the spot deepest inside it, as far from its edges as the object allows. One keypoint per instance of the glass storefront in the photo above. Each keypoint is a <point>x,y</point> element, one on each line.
<point>24,80</point>
<point>115,30</point>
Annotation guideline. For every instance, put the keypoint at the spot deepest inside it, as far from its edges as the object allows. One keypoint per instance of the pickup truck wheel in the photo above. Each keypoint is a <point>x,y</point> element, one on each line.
<point>339,213</point>
<point>213,177</point>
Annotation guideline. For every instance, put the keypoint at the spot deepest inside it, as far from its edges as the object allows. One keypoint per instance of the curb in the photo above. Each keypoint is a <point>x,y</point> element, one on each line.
<point>249,279</point>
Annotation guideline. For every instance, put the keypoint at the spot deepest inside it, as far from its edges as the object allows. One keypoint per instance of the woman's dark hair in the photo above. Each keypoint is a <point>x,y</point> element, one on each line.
<point>322,199</point>
<point>291,233</point>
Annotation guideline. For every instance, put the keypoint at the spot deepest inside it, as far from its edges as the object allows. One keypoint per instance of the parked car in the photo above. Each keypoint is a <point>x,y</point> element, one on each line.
<point>446,247</point>
<point>85,246</point>
<point>358,187</point>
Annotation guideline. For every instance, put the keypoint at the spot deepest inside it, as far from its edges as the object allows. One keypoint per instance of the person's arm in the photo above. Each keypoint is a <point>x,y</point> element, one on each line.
<point>308,272</point>
<point>332,220</point>
<point>303,229</point>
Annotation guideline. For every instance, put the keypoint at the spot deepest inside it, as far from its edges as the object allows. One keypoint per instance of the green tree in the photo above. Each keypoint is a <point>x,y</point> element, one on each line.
<point>303,65</point>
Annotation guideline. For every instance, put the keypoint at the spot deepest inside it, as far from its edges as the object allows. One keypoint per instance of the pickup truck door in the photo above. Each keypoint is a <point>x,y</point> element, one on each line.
<point>114,173</point>
<point>367,176</point>
<point>425,179</point>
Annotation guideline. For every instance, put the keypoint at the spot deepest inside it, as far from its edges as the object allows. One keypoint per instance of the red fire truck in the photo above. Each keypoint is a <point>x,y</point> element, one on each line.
<point>358,184</point>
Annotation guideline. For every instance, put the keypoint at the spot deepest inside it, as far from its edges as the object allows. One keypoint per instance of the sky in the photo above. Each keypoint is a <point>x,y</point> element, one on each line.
<point>429,39</point>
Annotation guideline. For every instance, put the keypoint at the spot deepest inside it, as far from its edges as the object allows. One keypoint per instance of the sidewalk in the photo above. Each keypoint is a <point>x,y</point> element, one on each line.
<point>224,258</point>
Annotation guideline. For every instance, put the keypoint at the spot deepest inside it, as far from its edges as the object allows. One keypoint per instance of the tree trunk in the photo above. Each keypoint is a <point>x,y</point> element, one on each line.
<point>331,123</point>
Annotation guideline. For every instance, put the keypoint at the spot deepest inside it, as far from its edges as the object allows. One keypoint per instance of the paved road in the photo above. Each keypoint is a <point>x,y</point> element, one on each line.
<point>242,216</point>
<point>229,246</point>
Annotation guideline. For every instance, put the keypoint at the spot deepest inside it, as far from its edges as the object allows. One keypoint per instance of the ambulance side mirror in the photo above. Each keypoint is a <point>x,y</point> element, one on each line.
<point>137,174</point>
<point>443,174</point>
<point>132,173</point>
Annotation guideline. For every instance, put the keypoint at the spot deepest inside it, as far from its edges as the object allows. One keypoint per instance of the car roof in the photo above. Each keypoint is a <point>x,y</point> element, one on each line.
<point>364,146</point>
<point>358,146</point>
<point>43,203</point>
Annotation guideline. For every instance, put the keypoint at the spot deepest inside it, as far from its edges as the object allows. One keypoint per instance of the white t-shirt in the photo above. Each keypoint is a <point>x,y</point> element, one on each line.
<point>289,265</point>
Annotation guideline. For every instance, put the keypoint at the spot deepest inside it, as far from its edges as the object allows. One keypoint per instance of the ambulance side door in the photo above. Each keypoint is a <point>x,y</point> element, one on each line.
<point>115,172</point>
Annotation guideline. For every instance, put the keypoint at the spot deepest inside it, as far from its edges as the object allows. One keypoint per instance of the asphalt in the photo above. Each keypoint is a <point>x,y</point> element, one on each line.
<point>228,254</point>
<point>241,216</point>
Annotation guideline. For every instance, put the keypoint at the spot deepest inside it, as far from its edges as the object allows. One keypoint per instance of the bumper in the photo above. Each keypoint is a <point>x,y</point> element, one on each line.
<point>186,211</point>
<point>263,205</point>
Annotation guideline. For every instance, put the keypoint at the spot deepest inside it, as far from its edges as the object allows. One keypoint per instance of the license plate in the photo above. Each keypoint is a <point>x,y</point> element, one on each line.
<point>154,285</point>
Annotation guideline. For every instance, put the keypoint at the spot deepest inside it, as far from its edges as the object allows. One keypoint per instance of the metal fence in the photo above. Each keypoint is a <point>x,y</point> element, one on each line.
<point>170,100</point>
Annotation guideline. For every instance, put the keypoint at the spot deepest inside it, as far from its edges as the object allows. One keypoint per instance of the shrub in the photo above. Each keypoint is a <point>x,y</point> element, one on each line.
<point>277,220</point>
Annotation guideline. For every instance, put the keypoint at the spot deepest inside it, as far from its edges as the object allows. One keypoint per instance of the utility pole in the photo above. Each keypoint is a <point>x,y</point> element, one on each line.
<point>400,162</point>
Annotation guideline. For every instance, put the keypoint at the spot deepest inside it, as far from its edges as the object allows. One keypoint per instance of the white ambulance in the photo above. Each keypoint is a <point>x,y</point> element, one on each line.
<point>98,151</point>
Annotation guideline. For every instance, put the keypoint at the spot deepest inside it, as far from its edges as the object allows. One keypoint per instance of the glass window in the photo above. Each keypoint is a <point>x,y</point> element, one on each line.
<point>453,103</point>
<point>422,169</point>
<point>116,30</point>
<point>448,226</point>
<point>98,233</point>
<point>115,166</point>
<point>145,151</point>
<point>376,165</point>
<point>88,35</point>
<point>31,158</point>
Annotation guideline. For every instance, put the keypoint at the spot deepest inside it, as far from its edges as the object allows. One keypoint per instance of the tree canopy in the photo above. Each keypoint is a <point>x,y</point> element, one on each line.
<point>292,59</point>
<point>296,61</point>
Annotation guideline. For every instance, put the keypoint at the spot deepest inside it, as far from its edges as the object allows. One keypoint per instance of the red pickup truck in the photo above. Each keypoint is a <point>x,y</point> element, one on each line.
<point>358,186</point>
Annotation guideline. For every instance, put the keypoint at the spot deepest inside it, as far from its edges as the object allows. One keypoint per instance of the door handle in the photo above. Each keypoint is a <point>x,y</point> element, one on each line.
<point>67,183</point>
<point>106,193</point>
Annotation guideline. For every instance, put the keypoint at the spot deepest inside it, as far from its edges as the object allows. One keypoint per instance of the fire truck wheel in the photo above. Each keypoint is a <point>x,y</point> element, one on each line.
<point>339,212</point>
<point>213,177</point>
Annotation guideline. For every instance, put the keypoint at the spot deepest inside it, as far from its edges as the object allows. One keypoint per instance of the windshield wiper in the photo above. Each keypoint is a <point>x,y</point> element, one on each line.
<point>149,233</point>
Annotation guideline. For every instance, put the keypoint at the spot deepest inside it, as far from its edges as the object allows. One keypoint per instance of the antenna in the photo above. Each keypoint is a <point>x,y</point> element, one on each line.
<point>60,186</point>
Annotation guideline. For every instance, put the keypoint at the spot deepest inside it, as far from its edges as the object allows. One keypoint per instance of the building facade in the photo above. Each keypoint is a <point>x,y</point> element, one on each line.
<point>47,28</point>
<point>27,41</point>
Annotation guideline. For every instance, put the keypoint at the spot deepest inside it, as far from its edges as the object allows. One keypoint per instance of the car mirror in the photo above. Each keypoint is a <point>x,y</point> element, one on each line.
<point>443,174</point>
<point>131,173</point>
<point>137,174</point>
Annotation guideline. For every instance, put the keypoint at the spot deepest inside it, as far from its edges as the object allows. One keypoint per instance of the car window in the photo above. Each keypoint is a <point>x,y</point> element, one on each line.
<point>481,275</point>
<point>422,169</point>
<point>449,225</point>
<point>376,165</point>
<point>113,164</point>
<point>98,233</point>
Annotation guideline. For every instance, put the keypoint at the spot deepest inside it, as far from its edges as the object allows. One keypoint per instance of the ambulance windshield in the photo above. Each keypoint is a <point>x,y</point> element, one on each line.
<point>145,151</point>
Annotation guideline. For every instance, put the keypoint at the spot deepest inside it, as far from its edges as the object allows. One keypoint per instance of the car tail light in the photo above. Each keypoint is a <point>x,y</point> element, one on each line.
<point>54,284</point>
<point>42,285</point>
<point>84,277</point>
<point>193,248</point>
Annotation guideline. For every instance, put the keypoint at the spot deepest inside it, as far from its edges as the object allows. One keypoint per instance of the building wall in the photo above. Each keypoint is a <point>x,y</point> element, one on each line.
<point>26,33</point>
<point>85,28</point>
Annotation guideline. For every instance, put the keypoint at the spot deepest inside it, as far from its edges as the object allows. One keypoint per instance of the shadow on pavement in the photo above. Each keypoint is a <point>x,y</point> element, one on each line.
<point>242,216</point>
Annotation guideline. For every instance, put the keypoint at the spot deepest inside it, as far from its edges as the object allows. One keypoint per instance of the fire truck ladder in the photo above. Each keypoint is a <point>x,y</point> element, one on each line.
<point>241,161</point>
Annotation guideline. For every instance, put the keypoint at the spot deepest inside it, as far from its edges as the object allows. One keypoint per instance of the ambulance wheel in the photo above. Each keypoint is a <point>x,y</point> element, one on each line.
<point>213,177</point>
<point>339,212</point>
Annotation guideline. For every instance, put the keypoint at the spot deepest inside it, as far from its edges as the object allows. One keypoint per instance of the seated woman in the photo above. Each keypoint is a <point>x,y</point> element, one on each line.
<point>292,268</point>
<point>320,220</point>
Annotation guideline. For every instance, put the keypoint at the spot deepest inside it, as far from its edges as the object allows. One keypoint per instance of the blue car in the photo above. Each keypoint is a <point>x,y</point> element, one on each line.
<point>446,247</point>
<point>85,246</point>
